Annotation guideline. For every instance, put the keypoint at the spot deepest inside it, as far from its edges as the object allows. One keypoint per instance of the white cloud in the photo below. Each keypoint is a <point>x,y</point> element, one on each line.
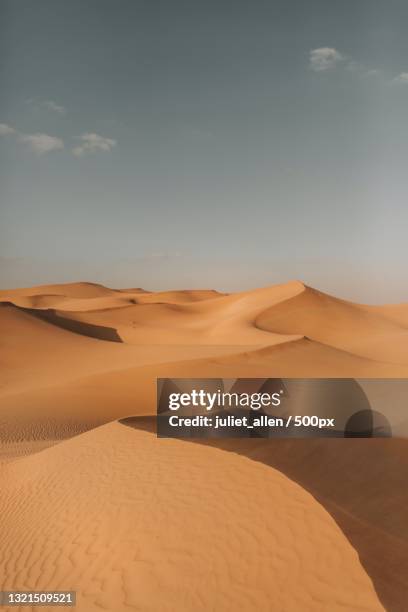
<point>402,78</point>
<point>53,106</point>
<point>324,58</point>
<point>91,143</point>
<point>327,58</point>
<point>50,105</point>
<point>6,129</point>
<point>42,143</point>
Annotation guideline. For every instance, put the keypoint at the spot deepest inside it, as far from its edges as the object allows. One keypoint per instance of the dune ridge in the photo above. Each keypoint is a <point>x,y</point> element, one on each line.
<point>78,357</point>
<point>138,523</point>
<point>282,331</point>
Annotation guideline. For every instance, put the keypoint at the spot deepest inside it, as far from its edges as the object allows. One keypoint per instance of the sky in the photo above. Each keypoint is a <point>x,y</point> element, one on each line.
<point>209,143</point>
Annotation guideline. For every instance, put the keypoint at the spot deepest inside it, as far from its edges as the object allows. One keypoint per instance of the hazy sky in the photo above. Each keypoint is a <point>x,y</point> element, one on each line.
<point>217,143</point>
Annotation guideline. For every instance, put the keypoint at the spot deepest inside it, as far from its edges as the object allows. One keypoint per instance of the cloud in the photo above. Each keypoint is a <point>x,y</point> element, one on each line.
<point>402,78</point>
<point>92,143</point>
<point>50,105</point>
<point>373,72</point>
<point>42,143</point>
<point>327,58</point>
<point>53,106</point>
<point>361,69</point>
<point>324,58</point>
<point>6,129</point>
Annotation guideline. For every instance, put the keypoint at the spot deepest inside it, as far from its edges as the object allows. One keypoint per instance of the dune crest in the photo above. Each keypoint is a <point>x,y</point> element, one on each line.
<point>139,522</point>
<point>102,359</point>
<point>77,357</point>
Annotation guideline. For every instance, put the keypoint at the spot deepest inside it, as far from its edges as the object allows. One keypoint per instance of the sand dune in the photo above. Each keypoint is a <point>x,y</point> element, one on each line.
<point>398,313</point>
<point>95,399</point>
<point>133,522</point>
<point>341,324</point>
<point>61,376</point>
<point>207,318</point>
<point>368,502</point>
<point>178,297</point>
<point>37,354</point>
<point>78,356</point>
<point>85,297</point>
<point>45,302</point>
<point>74,290</point>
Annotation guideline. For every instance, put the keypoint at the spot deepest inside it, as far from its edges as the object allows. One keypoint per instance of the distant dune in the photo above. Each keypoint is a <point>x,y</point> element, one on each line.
<point>131,520</point>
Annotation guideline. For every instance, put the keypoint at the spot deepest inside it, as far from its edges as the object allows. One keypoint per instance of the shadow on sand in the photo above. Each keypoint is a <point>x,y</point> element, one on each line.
<point>77,327</point>
<point>362,483</point>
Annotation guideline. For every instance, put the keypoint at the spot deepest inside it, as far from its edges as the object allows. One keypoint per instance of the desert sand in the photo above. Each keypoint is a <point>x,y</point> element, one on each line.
<point>93,501</point>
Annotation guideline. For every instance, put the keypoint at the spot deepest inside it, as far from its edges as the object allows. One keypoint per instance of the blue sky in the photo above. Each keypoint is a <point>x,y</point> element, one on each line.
<point>231,145</point>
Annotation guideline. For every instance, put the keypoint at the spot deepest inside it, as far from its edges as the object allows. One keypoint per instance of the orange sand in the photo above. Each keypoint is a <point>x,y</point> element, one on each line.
<point>135,522</point>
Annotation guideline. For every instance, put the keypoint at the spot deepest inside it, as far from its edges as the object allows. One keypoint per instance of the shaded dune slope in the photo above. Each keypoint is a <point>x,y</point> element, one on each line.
<point>99,332</point>
<point>78,327</point>
<point>369,504</point>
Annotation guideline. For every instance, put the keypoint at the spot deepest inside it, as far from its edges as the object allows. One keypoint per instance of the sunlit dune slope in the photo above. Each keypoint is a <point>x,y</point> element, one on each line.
<point>128,520</point>
<point>104,511</point>
<point>93,297</point>
<point>106,364</point>
<point>398,313</point>
<point>363,484</point>
<point>262,317</point>
<point>99,398</point>
<point>185,317</point>
<point>343,325</point>
<point>36,353</point>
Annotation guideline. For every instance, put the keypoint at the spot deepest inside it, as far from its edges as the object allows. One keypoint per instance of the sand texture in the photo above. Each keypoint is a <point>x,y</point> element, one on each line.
<point>92,501</point>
